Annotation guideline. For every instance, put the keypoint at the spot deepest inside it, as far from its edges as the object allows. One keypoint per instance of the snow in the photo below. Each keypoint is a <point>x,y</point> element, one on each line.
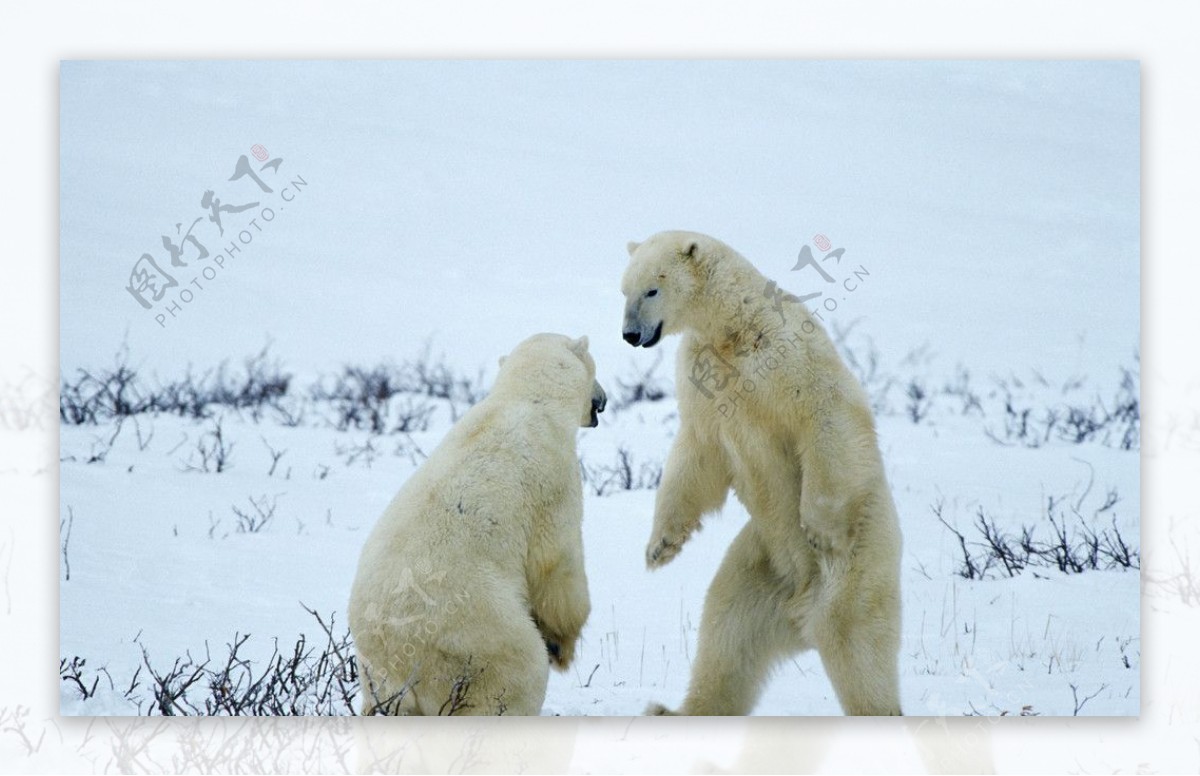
<point>467,204</point>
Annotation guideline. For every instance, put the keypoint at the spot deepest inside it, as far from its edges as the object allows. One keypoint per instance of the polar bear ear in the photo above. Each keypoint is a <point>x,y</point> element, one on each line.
<point>632,246</point>
<point>580,346</point>
<point>690,251</point>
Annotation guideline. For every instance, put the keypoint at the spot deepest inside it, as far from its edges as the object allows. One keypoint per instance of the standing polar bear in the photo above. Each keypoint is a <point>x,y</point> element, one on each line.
<point>472,581</point>
<point>767,408</point>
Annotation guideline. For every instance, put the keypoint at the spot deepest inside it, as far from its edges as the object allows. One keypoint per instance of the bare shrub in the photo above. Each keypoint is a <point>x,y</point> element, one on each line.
<point>919,400</point>
<point>304,679</point>
<point>260,514</point>
<point>622,474</point>
<point>644,385</point>
<point>120,392</point>
<point>213,451</point>
<point>1112,423</point>
<point>1073,544</point>
<point>317,677</point>
<point>365,398</point>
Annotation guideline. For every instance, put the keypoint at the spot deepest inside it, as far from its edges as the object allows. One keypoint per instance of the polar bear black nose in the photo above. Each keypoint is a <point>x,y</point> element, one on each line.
<point>632,337</point>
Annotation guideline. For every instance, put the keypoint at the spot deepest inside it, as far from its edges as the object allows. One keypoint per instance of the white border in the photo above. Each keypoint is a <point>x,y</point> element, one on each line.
<point>37,36</point>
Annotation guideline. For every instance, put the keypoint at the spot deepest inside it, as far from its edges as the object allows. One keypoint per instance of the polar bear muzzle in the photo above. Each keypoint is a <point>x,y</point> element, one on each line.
<point>638,336</point>
<point>599,402</point>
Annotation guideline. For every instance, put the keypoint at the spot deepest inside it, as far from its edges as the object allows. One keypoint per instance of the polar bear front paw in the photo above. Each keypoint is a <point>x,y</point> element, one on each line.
<point>662,550</point>
<point>659,710</point>
<point>561,653</point>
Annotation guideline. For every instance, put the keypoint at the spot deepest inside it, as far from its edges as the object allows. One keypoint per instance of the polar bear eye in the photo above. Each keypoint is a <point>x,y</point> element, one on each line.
<point>652,292</point>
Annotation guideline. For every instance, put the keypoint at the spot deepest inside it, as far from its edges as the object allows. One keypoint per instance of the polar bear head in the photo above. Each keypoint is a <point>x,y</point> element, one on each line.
<point>663,284</point>
<point>556,367</point>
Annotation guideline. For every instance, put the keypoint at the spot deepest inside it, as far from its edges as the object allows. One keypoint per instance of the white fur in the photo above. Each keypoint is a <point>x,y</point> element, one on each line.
<point>818,565</point>
<point>472,582</point>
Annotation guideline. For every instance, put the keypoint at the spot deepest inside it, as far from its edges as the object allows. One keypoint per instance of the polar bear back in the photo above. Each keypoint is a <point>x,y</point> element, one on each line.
<point>443,586</point>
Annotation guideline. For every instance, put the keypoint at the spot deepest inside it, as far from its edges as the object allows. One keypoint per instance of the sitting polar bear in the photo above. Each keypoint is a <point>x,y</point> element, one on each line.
<point>767,408</point>
<point>472,581</point>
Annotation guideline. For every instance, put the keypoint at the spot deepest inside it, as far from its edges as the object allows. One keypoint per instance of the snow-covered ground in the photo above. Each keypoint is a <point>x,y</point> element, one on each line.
<point>466,205</point>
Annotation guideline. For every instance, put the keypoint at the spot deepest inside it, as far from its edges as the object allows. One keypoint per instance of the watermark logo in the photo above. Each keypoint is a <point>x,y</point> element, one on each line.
<point>847,281</point>
<point>716,376</point>
<point>712,374</point>
<point>431,608</point>
<point>164,284</point>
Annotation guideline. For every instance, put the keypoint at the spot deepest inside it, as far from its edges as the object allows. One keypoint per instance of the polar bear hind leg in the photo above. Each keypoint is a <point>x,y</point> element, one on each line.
<point>858,645</point>
<point>744,632</point>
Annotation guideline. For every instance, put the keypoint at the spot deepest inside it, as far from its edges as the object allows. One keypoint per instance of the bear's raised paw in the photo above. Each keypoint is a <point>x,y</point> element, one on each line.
<point>661,551</point>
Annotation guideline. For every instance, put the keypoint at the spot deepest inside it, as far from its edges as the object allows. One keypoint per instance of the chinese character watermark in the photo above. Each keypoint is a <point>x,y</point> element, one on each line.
<point>725,378</point>
<point>163,292</point>
<point>421,626</point>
